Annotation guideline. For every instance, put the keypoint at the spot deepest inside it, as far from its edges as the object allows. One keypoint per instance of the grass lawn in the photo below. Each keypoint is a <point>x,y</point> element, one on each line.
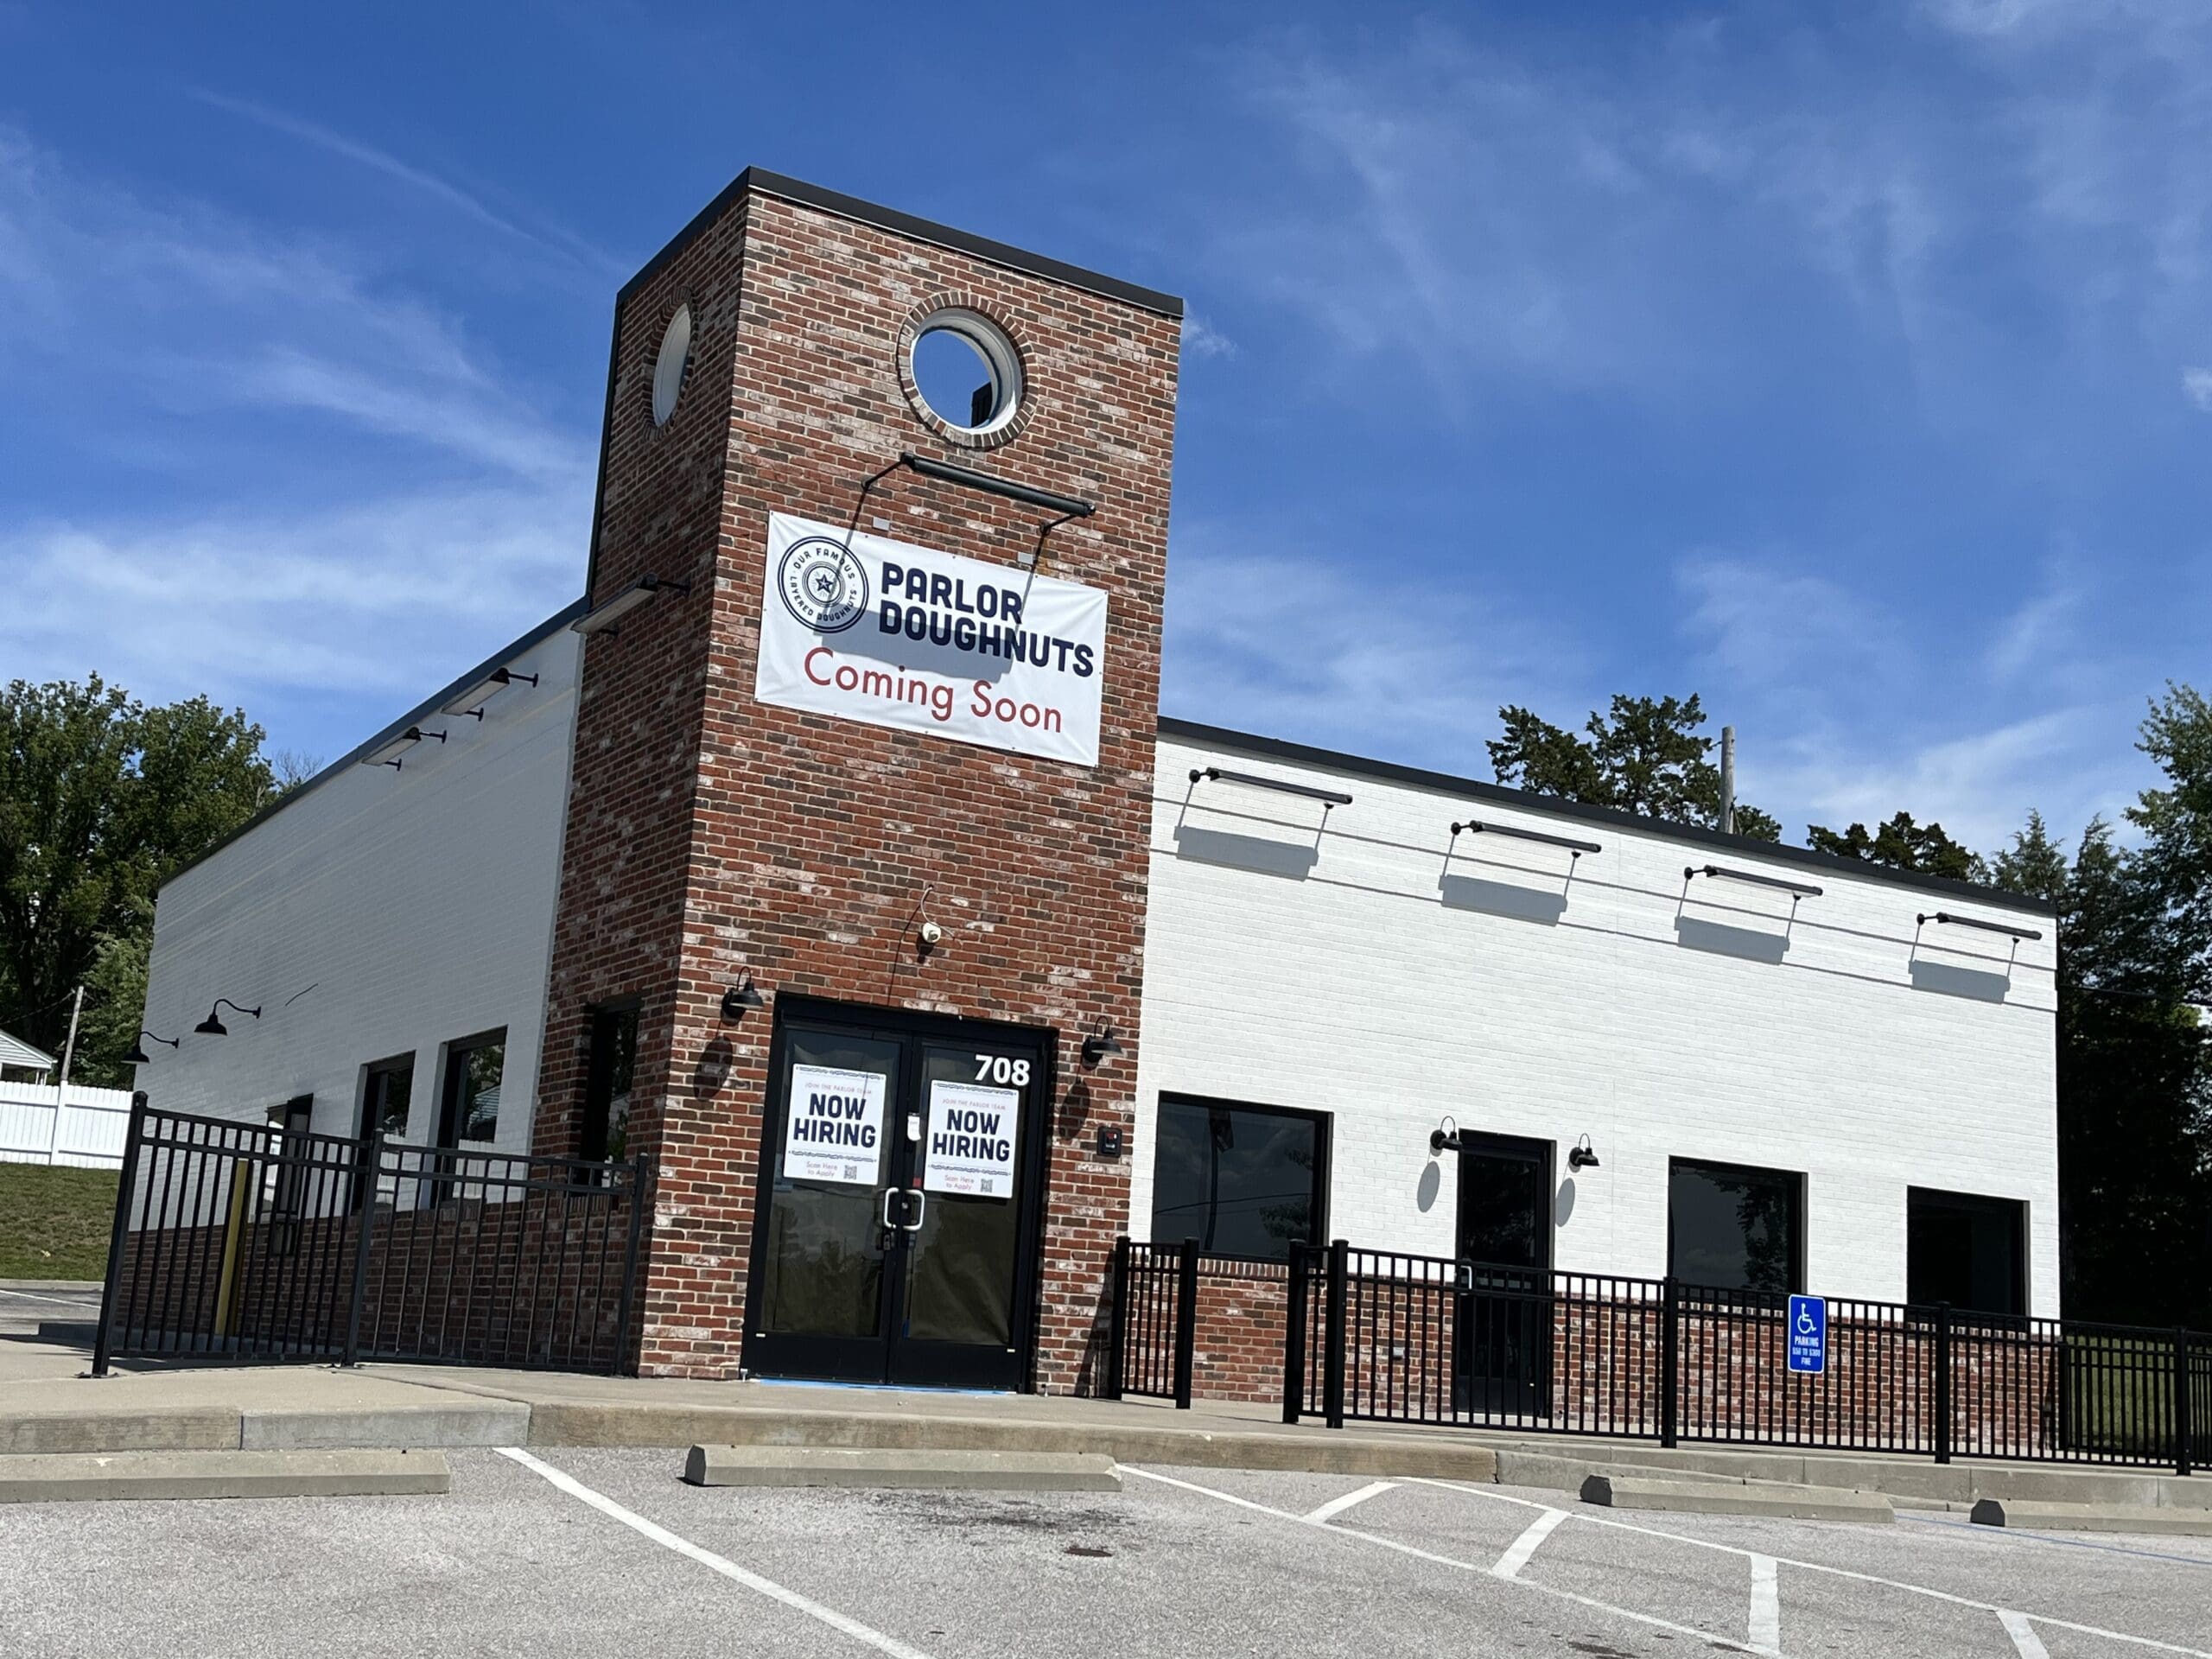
<point>53,1222</point>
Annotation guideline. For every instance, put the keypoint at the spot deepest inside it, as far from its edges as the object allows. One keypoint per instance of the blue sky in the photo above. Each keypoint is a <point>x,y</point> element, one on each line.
<point>1850,365</point>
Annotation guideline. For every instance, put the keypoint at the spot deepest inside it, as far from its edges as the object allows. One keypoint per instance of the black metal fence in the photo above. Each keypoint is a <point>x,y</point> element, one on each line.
<point>236,1243</point>
<point>1389,1337</point>
<point>1154,1337</point>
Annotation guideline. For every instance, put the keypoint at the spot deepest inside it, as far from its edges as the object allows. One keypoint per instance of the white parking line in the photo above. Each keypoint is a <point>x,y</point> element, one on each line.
<point>1766,1606</point>
<point>728,1569</point>
<point>1628,1613</point>
<point>1336,1506</point>
<point>2025,1642</point>
<point>1509,1564</point>
<point>58,1301</point>
<point>2151,1643</point>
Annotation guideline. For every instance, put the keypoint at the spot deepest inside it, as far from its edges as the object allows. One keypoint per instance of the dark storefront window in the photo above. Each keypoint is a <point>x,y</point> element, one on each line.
<point>475,1068</point>
<point>1966,1251</point>
<point>1242,1180</point>
<point>1730,1227</point>
<point>387,1092</point>
<point>607,1084</point>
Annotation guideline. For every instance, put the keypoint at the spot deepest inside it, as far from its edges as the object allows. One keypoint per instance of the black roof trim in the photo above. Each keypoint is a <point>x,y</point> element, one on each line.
<point>1390,771</point>
<point>922,230</point>
<point>430,705</point>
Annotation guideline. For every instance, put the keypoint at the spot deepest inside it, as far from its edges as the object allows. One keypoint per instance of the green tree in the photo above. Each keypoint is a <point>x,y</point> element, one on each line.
<point>2135,1059</point>
<point>1903,845</point>
<point>102,799</point>
<point>1644,755</point>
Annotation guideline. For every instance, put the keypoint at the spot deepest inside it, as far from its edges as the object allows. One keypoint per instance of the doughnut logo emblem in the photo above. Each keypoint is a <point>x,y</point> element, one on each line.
<point>823,584</point>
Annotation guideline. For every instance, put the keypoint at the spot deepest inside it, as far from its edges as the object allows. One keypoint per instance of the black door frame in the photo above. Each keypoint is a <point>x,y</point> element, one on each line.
<point>917,1028</point>
<point>1495,1314</point>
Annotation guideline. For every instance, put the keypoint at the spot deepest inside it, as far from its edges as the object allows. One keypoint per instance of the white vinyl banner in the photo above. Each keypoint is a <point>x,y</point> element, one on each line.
<point>870,629</point>
<point>971,1136</point>
<point>833,1129</point>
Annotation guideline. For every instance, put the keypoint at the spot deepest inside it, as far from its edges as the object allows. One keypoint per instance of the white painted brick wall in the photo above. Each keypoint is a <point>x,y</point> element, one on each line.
<point>418,903</point>
<point>1354,991</point>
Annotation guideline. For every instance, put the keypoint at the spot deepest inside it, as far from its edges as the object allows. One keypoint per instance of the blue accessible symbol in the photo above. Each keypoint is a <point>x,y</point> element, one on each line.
<point>1809,1334</point>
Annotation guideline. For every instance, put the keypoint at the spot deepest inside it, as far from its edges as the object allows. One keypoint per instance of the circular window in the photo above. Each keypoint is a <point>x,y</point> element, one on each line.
<point>966,372</point>
<point>669,366</point>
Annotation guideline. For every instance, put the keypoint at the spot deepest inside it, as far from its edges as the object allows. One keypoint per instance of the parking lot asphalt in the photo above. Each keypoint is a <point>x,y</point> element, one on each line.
<point>22,1307</point>
<point>599,1551</point>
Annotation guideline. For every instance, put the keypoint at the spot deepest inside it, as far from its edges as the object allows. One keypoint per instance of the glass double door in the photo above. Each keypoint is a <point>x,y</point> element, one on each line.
<point>900,1173</point>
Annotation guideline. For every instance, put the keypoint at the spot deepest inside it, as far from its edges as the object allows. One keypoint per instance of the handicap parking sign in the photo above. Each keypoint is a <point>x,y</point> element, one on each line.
<point>1809,1334</point>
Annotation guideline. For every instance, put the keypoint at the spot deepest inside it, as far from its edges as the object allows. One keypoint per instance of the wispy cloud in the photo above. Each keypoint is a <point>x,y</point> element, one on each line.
<point>334,494</point>
<point>471,205</point>
<point>1202,338</point>
<point>1293,644</point>
<point>1843,720</point>
<point>372,603</point>
<point>2196,386</point>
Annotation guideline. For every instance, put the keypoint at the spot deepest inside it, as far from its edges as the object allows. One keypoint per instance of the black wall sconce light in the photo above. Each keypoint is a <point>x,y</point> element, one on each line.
<point>137,1054</point>
<point>1580,1156</point>
<point>1445,1137</point>
<point>211,1026</point>
<point>1100,1046</point>
<point>739,998</point>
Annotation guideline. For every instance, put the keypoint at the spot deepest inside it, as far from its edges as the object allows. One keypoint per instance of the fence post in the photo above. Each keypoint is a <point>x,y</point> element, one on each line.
<point>1332,1349</point>
<point>1117,1323</point>
<point>1670,1358</point>
<point>637,1178</point>
<point>1293,1337</point>
<point>368,1164</point>
<point>127,1180</point>
<point>2184,1460</point>
<point>1943,1382</point>
<point>1186,1321</point>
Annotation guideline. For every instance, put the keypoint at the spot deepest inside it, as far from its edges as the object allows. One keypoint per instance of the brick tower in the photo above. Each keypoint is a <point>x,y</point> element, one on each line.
<point>714,837</point>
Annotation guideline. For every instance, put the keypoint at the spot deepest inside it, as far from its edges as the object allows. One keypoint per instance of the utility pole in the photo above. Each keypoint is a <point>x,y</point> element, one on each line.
<point>1728,780</point>
<point>69,1048</point>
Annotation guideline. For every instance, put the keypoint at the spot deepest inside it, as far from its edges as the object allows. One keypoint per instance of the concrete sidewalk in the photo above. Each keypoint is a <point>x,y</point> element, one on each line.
<point>48,1405</point>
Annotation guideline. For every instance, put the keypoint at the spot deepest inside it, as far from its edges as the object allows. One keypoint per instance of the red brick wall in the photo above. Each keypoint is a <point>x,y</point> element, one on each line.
<point>710,835</point>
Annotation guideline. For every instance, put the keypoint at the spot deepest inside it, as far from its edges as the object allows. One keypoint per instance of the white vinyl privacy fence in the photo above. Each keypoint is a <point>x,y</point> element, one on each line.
<point>85,1129</point>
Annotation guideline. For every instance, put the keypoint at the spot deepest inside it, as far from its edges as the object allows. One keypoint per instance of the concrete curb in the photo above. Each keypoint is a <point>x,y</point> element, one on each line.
<point>172,1428</point>
<point>1747,1498</point>
<point>142,1475</point>
<point>487,1423</point>
<point>555,1425</point>
<point>818,1466</point>
<point>2169,1521</point>
<point>1546,1472</point>
<point>1920,1485</point>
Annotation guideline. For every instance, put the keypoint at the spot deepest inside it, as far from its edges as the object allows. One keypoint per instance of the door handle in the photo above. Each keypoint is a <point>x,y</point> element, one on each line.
<point>921,1208</point>
<point>889,1194</point>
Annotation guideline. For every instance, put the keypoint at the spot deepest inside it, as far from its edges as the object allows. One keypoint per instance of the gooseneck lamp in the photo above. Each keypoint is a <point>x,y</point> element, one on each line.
<point>1099,1045</point>
<point>212,1026</point>
<point>137,1054</point>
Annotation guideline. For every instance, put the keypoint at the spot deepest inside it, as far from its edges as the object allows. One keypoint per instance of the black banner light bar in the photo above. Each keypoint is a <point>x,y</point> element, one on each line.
<point>1070,506</point>
<point>1475,826</point>
<point>1223,776</point>
<point>1721,872</point>
<point>2005,928</point>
